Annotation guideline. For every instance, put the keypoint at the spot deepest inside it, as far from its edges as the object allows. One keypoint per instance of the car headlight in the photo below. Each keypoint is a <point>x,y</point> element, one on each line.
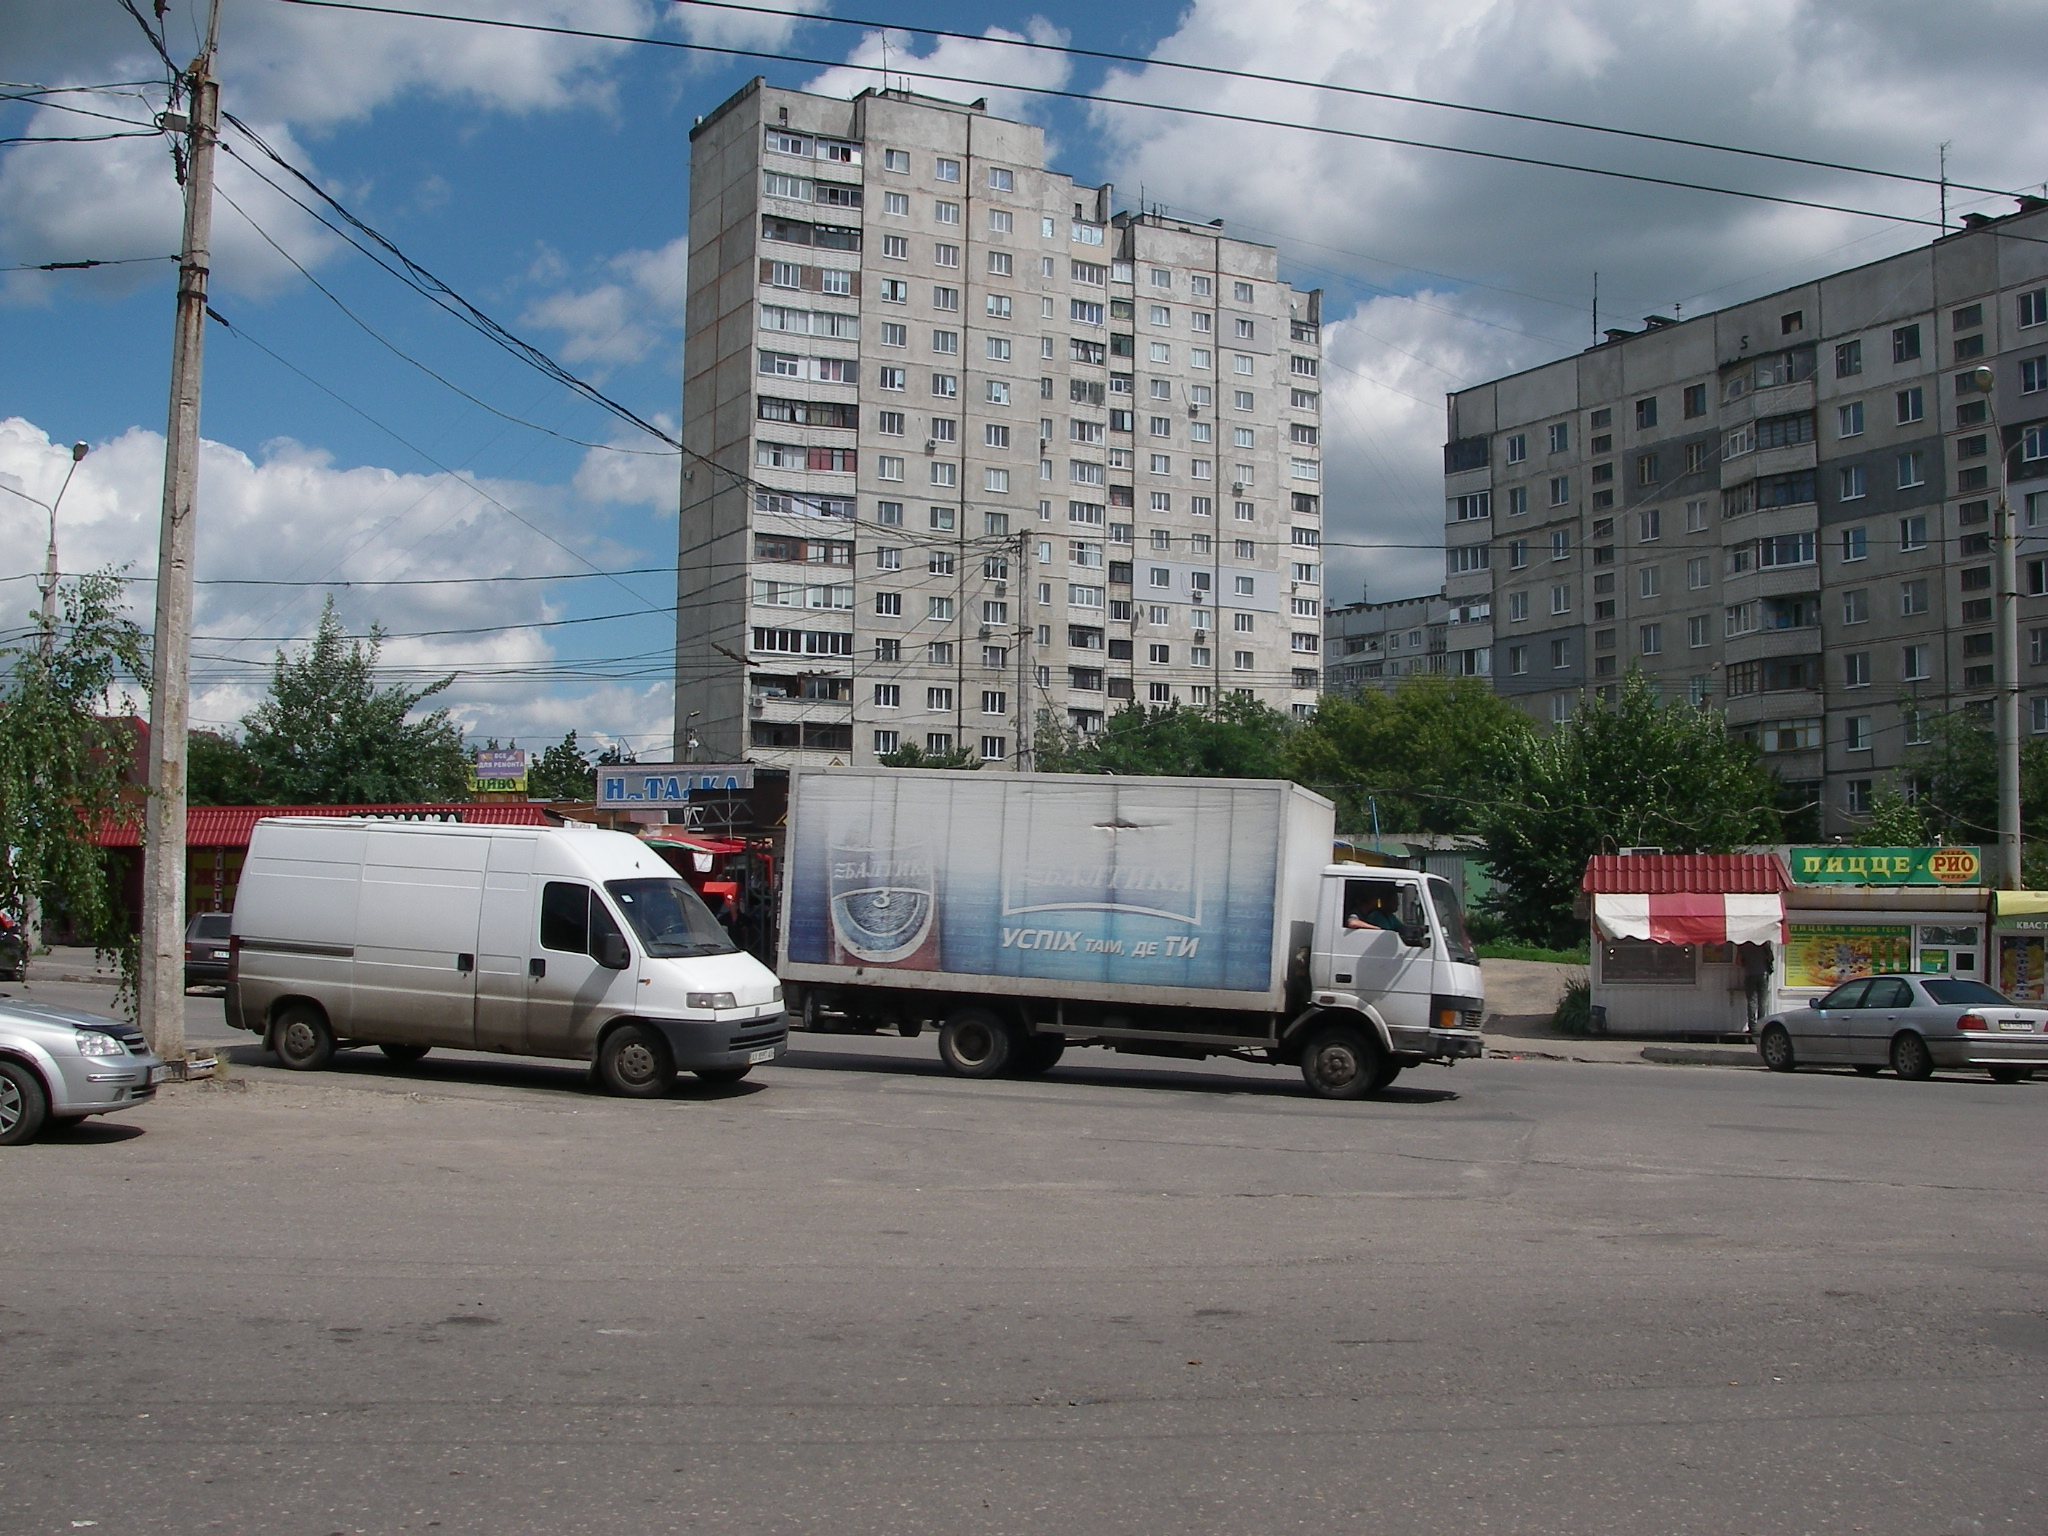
<point>711,1000</point>
<point>778,993</point>
<point>92,1043</point>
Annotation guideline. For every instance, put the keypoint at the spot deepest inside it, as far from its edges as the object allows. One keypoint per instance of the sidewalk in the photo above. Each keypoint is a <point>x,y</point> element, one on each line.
<point>1520,995</point>
<point>64,962</point>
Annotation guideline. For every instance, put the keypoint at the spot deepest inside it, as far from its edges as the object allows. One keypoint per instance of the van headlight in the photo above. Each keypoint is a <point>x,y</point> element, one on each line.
<point>92,1043</point>
<point>711,1000</point>
<point>778,993</point>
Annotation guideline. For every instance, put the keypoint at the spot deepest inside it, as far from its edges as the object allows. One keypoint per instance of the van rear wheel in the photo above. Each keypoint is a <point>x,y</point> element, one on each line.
<point>634,1062</point>
<point>303,1039</point>
<point>973,1042</point>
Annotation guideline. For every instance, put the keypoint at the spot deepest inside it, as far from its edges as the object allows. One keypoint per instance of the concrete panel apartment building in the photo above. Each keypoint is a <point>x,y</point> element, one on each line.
<point>1784,507</point>
<point>964,446</point>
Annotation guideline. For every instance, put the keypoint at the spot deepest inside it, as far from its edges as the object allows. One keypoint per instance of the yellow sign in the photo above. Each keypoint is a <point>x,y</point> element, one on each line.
<point>1828,954</point>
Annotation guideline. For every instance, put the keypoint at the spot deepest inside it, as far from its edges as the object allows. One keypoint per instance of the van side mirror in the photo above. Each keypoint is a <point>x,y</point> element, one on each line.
<point>612,952</point>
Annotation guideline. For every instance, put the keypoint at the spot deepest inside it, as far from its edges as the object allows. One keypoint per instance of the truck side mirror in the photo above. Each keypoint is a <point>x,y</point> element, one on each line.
<point>1415,935</point>
<point>612,952</point>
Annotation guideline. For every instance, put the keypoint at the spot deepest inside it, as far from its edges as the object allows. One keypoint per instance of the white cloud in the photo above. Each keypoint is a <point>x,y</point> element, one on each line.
<point>628,472</point>
<point>624,318</point>
<point>742,29</point>
<point>290,515</point>
<point>1869,84</point>
<point>973,60</point>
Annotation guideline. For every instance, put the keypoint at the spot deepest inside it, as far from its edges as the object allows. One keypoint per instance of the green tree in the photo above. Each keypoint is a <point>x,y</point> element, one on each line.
<point>1237,739</point>
<point>1632,773</point>
<point>62,763</point>
<point>910,755</point>
<point>1893,822</point>
<point>1423,753</point>
<point>562,773</point>
<point>220,771</point>
<point>328,735</point>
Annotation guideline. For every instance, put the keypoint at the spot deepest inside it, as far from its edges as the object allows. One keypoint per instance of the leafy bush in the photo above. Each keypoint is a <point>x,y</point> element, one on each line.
<point>1574,1012</point>
<point>1535,952</point>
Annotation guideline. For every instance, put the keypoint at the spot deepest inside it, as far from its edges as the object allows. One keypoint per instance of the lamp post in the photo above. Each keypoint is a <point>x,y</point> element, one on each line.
<point>2005,540</point>
<point>78,453</point>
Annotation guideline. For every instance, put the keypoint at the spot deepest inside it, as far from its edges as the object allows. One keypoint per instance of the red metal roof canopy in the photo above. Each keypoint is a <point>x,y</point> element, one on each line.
<point>229,826</point>
<point>1672,874</point>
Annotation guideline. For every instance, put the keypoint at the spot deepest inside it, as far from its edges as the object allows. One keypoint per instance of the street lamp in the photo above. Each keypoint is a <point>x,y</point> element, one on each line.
<point>2008,650</point>
<point>49,585</point>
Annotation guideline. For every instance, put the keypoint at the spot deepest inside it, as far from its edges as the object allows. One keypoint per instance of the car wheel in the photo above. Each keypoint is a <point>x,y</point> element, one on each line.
<point>404,1055</point>
<point>1342,1061</point>
<point>722,1077</point>
<point>1867,1069</point>
<point>2010,1074</point>
<point>973,1042</point>
<point>1911,1058</point>
<point>304,1041</point>
<point>1774,1045</point>
<point>1039,1054</point>
<point>634,1062</point>
<point>23,1104</point>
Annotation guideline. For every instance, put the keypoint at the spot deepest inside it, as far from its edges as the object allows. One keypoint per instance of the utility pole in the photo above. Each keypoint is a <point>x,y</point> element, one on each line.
<point>2005,537</point>
<point>162,982</point>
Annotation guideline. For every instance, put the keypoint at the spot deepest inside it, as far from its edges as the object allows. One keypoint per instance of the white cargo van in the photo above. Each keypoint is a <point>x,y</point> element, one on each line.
<point>537,941</point>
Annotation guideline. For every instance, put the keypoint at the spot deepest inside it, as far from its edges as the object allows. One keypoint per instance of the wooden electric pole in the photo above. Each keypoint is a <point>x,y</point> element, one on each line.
<point>162,981</point>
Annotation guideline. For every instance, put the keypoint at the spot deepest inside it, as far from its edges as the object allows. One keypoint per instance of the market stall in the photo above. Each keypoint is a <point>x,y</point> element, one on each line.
<point>1860,911</point>
<point>2019,927</point>
<point>1676,937</point>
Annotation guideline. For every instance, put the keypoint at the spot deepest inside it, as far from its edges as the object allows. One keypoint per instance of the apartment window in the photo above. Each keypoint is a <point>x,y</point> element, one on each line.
<point>1561,599</point>
<point>1646,413</point>
<point>1241,623</point>
<point>1856,733</point>
<point>1241,660</point>
<point>2033,374</point>
<point>1698,573</point>
<point>1849,419</point>
<point>1848,359</point>
<point>1560,436</point>
<point>1518,554</point>
<point>1560,490</point>
<point>1913,532</point>
<point>2034,307</point>
<point>1518,660</point>
<point>897,160</point>
<point>1000,222</point>
<point>1241,364</point>
<point>1912,470</point>
<point>1695,400</point>
<point>1652,638</point>
<point>895,248</point>
<point>1913,597</point>
<point>1913,664</point>
<point>1905,343</point>
<point>1856,669</point>
<point>1699,630</point>
<point>1856,606</point>
<point>1911,405</point>
<point>947,170</point>
<point>1518,500</point>
<point>1561,544</point>
<point>1560,653</point>
<point>1242,292</point>
<point>1855,543</point>
<point>1696,517</point>
<point>1969,348</point>
<point>1518,606</point>
<point>1650,581</point>
<point>940,518</point>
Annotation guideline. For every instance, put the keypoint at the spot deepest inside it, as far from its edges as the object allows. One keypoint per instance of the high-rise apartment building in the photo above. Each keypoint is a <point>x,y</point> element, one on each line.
<point>966,449</point>
<point>1784,507</point>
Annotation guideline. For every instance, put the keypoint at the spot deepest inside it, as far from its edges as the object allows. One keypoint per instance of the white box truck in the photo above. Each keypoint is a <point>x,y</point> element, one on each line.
<point>1021,913</point>
<point>537,941</point>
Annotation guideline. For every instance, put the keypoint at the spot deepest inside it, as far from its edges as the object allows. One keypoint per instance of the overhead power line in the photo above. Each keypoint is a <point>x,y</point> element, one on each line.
<point>1339,90</point>
<point>1253,120</point>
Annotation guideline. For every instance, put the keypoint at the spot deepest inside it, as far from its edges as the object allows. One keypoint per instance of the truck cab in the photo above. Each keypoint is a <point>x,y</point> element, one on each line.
<point>1390,945</point>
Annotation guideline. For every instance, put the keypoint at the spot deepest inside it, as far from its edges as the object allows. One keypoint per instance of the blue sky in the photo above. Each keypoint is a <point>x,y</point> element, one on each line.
<point>549,181</point>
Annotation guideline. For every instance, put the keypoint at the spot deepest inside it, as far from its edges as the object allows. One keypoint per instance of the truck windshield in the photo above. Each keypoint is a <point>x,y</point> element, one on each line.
<point>1451,920</point>
<point>670,918</point>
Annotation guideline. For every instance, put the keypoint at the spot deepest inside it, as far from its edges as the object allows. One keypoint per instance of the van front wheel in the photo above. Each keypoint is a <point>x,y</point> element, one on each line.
<point>304,1041</point>
<point>634,1062</point>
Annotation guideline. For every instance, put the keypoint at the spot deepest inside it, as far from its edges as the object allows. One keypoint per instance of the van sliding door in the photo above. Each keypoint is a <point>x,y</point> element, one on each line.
<point>416,938</point>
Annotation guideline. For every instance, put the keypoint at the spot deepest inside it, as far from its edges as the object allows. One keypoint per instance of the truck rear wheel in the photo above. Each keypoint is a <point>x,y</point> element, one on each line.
<point>973,1042</point>
<point>1037,1054</point>
<point>1343,1061</point>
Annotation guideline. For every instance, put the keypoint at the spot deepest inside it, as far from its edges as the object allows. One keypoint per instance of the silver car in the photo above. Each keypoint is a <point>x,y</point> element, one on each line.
<point>57,1067</point>
<point>1912,1024</point>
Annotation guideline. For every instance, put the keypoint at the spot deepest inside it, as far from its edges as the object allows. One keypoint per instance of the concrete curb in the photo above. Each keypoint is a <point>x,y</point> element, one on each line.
<point>1701,1056</point>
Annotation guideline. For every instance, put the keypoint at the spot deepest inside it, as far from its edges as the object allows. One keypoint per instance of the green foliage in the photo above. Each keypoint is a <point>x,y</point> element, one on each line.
<point>1423,752</point>
<point>1893,822</point>
<point>1580,956</point>
<point>910,756</point>
<point>62,764</point>
<point>220,771</point>
<point>1955,780</point>
<point>328,735</point>
<point>1574,1012</point>
<point>1236,739</point>
<point>1631,773</point>
<point>562,773</point>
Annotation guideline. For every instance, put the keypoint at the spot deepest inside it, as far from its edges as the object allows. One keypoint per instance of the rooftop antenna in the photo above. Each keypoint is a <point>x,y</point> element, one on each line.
<point>1944,184</point>
<point>1596,309</point>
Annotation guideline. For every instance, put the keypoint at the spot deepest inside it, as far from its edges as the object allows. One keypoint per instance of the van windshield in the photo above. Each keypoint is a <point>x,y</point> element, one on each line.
<point>670,918</point>
<point>1451,920</point>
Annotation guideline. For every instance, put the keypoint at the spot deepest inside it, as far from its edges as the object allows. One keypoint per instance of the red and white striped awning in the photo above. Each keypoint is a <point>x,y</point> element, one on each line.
<point>1686,917</point>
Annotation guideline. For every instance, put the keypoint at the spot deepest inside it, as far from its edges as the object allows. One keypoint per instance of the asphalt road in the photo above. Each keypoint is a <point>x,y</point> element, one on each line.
<point>854,1295</point>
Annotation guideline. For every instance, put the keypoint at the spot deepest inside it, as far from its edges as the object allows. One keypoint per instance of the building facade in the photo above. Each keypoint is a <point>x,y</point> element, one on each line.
<point>1784,507</point>
<point>966,449</point>
<point>1375,645</point>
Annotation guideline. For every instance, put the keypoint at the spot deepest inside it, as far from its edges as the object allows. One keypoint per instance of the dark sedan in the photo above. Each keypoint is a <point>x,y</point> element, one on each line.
<point>206,950</point>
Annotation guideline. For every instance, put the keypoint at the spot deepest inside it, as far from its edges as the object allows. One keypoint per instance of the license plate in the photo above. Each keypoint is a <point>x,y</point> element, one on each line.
<point>158,1074</point>
<point>755,1058</point>
<point>220,954</point>
<point>2023,1025</point>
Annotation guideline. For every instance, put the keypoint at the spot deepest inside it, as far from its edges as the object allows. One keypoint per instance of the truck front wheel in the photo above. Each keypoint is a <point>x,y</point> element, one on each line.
<point>973,1042</point>
<point>1343,1061</point>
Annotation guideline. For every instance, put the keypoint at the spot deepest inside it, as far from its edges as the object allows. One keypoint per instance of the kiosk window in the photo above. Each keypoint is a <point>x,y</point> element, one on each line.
<point>1642,960</point>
